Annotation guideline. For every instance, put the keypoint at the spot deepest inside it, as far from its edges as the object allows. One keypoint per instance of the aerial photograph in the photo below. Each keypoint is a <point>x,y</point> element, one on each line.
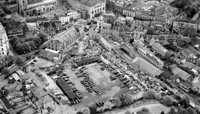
<point>99,56</point>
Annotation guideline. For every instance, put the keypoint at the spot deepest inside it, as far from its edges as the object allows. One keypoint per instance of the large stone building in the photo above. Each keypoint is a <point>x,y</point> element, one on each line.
<point>94,8</point>
<point>4,44</point>
<point>36,7</point>
<point>66,38</point>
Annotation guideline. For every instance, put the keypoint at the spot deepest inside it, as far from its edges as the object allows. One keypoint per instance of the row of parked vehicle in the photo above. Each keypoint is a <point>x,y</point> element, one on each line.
<point>90,86</point>
<point>73,88</point>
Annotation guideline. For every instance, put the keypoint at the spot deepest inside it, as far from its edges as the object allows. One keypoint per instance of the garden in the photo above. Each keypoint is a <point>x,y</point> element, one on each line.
<point>26,45</point>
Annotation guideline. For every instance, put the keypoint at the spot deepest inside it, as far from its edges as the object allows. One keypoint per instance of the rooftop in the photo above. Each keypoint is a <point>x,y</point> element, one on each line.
<point>181,73</point>
<point>33,20</point>
<point>30,2</point>
<point>146,66</point>
<point>90,3</point>
<point>65,88</point>
<point>157,45</point>
<point>13,25</point>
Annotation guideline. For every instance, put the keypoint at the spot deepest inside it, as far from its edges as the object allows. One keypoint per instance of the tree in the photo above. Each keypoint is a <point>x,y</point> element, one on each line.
<point>117,102</point>
<point>144,95</point>
<point>158,96</point>
<point>37,41</point>
<point>127,112</point>
<point>19,61</point>
<point>191,110</point>
<point>168,100</point>
<point>196,87</point>
<point>143,111</point>
<point>172,111</point>
<point>162,112</point>
<point>85,110</point>
<point>150,94</point>
<point>108,105</point>
<point>5,71</point>
<point>93,110</point>
<point>126,100</point>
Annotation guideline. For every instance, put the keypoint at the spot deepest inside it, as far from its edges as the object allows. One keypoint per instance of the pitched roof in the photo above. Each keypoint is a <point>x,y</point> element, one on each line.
<point>65,88</point>
<point>34,1</point>
<point>90,3</point>
<point>147,66</point>
<point>48,53</point>
<point>13,25</point>
<point>181,73</point>
<point>64,36</point>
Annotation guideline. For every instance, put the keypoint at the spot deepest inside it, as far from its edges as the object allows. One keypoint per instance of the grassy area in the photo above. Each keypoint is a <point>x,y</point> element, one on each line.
<point>157,109</point>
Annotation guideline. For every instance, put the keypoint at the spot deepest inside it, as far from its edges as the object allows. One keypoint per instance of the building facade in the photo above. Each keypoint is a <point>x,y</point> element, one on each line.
<point>4,43</point>
<point>36,7</point>
<point>94,8</point>
<point>150,57</point>
<point>70,15</point>
<point>64,40</point>
<point>14,29</point>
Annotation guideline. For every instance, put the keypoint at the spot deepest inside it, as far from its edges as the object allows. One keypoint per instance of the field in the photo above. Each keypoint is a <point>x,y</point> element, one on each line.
<point>102,81</point>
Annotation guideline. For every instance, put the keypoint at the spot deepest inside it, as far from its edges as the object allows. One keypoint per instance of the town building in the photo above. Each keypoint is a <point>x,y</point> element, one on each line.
<point>158,48</point>
<point>87,60</point>
<point>69,16</point>
<point>150,57</point>
<point>14,29</point>
<point>146,67</point>
<point>65,39</point>
<point>4,47</point>
<point>33,23</point>
<point>36,7</point>
<point>184,28</point>
<point>94,8</point>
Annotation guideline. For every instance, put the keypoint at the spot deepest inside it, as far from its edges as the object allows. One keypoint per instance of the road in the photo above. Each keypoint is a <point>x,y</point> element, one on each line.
<point>186,94</point>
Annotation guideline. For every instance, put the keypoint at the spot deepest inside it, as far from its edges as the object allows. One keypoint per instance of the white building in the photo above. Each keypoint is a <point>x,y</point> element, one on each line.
<point>94,8</point>
<point>4,44</point>
<point>101,25</point>
<point>70,15</point>
<point>36,7</point>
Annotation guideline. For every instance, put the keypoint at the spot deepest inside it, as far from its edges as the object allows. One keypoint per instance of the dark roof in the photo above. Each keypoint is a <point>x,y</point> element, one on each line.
<point>13,25</point>
<point>32,20</point>
<point>66,89</point>
<point>34,1</point>
<point>85,61</point>
<point>90,3</point>
<point>166,74</point>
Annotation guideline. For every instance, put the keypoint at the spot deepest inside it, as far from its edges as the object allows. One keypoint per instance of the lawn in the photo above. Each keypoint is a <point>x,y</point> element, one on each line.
<point>157,109</point>
<point>101,79</point>
<point>43,63</point>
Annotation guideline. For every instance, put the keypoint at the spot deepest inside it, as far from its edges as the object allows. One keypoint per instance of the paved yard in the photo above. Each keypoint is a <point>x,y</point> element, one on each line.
<point>43,63</point>
<point>101,79</point>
